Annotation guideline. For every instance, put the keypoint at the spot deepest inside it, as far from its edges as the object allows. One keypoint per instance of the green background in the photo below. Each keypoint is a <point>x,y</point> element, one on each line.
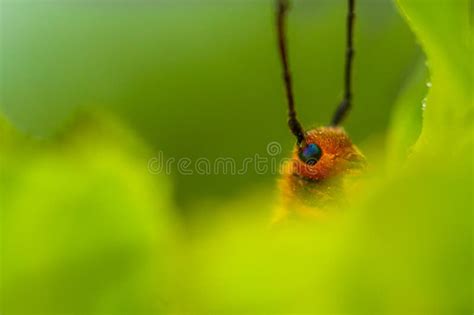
<point>200,78</point>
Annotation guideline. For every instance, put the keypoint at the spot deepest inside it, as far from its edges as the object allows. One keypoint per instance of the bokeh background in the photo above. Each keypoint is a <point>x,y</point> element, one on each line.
<point>200,78</point>
<point>92,90</point>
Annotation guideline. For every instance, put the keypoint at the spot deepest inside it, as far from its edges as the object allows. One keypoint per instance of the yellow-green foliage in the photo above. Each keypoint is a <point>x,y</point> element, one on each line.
<point>81,221</point>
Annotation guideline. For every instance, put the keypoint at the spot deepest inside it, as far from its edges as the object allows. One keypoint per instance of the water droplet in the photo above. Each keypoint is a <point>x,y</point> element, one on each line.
<point>423,104</point>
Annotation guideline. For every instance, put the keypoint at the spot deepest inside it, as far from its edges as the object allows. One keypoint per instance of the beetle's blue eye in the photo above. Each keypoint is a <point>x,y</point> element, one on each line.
<point>310,154</point>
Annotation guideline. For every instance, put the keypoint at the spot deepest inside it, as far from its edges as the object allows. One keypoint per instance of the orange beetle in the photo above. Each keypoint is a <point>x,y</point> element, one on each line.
<point>324,159</point>
<point>310,188</point>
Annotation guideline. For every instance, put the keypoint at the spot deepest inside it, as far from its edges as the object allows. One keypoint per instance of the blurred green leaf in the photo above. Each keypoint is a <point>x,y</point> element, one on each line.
<point>406,120</point>
<point>445,31</point>
<point>81,222</point>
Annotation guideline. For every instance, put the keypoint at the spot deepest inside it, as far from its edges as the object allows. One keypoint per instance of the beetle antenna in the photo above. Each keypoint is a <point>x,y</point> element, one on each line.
<point>346,103</point>
<point>293,123</point>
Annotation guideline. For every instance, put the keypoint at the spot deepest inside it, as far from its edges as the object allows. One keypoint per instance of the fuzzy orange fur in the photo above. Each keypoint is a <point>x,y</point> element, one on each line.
<point>309,189</point>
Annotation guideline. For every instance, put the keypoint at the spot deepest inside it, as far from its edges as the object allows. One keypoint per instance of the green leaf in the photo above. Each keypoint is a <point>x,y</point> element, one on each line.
<point>406,118</point>
<point>82,220</point>
<point>443,27</point>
